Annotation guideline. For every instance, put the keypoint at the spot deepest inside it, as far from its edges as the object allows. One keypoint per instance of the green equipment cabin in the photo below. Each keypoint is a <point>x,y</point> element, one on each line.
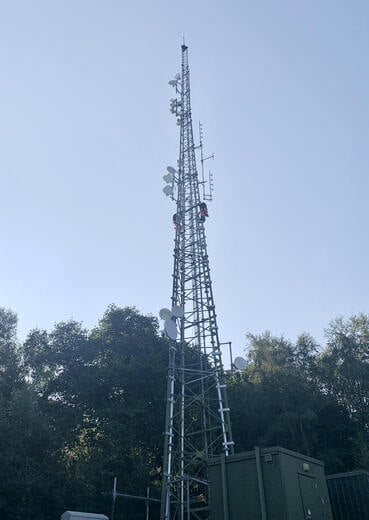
<point>268,484</point>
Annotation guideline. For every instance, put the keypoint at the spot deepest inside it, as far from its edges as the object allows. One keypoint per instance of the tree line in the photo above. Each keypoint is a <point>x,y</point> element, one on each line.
<point>78,407</point>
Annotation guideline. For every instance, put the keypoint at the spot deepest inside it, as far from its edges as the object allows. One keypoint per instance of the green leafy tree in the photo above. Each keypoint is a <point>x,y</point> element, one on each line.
<point>344,373</point>
<point>103,392</point>
<point>27,463</point>
<point>277,400</point>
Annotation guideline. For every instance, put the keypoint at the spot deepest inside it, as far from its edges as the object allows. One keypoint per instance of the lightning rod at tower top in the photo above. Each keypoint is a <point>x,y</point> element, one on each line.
<point>197,419</point>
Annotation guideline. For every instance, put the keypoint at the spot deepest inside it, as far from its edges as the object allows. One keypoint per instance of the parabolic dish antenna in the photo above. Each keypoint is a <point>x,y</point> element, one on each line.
<point>168,190</point>
<point>240,363</point>
<point>165,314</point>
<point>177,311</point>
<point>170,328</point>
<point>168,177</point>
<point>171,170</point>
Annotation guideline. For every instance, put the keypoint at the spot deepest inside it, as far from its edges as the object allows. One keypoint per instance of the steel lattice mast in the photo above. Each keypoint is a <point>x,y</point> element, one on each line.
<point>197,412</point>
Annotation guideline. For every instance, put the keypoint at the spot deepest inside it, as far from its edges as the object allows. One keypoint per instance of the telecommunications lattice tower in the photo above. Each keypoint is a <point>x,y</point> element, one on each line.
<point>197,413</point>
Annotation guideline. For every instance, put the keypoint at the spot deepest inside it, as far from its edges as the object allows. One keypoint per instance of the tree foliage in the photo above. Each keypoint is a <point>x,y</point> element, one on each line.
<point>279,400</point>
<point>78,407</point>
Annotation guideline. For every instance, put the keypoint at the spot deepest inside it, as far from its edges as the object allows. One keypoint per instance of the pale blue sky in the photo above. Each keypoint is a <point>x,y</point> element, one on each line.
<point>86,134</point>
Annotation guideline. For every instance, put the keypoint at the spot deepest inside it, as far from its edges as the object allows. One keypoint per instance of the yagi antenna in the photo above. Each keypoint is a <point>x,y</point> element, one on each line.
<point>206,195</point>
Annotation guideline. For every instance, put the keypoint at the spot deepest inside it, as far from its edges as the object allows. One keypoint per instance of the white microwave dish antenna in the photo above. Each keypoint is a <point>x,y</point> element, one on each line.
<point>165,314</point>
<point>171,329</point>
<point>240,363</point>
<point>168,190</point>
<point>177,311</point>
<point>168,178</point>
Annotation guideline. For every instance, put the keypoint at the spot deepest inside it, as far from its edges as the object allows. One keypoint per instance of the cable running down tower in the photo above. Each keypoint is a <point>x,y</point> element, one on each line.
<point>197,413</point>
